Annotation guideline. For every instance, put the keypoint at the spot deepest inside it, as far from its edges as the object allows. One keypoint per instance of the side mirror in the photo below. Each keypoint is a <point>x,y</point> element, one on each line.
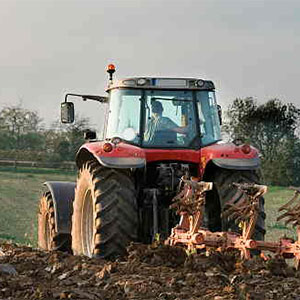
<point>67,112</point>
<point>220,113</point>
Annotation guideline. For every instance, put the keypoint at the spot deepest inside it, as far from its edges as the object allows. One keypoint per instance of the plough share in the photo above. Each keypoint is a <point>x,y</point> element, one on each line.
<point>190,232</point>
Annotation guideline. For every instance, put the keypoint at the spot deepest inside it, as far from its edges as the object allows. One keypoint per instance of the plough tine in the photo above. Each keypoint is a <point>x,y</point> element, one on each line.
<point>296,223</point>
<point>296,189</point>
<point>290,220</point>
<point>294,198</point>
<point>284,216</point>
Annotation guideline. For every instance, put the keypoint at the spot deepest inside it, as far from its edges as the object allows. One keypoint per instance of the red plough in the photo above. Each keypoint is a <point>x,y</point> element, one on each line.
<point>190,203</point>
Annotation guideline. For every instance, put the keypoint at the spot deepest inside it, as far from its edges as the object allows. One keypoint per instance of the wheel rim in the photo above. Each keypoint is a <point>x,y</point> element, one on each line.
<point>87,228</point>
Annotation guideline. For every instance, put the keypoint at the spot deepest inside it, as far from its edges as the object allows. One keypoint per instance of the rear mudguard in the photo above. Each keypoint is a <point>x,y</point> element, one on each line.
<point>62,193</point>
<point>237,163</point>
<point>229,156</point>
<point>122,156</point>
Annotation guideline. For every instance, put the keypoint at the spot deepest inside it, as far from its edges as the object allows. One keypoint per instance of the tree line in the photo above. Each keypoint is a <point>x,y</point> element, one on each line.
<point>24,137</point>
<point>272,127</point>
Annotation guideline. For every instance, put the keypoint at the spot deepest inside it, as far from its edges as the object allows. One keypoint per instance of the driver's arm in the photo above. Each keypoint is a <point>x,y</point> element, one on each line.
<point>181,130</point>
<point>172,126</point>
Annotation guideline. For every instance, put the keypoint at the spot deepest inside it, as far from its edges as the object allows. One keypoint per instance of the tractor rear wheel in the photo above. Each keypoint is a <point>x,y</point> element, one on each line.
<point>223,191</point>
<point>105,215</point>
<point>48,238</point>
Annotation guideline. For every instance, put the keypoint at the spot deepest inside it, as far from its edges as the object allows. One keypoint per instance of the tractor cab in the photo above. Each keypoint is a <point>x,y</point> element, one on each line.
<point>163,112</point>
<point>158,112</point>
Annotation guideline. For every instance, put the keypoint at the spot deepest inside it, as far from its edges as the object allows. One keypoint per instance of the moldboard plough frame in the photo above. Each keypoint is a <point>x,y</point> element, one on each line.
<point>190,205</point>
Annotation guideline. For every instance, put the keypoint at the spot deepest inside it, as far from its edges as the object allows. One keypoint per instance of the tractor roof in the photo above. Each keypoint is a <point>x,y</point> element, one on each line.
<point>162,83</point>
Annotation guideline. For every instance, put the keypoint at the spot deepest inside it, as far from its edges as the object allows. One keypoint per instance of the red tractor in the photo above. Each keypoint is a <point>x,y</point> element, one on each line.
<point>157,130</point>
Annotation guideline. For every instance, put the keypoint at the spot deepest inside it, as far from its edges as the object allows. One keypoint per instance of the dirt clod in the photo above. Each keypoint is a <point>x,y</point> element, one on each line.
<point>7,269</point>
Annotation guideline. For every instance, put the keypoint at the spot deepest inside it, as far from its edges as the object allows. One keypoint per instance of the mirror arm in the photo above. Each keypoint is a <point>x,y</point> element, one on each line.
<point>100,99</point>
<point>66,96</point>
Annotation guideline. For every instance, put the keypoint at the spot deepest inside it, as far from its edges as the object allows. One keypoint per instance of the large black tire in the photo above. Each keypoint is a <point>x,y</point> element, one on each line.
<point>48,238</point>
<point>105,218</point>
<point>223,191</point>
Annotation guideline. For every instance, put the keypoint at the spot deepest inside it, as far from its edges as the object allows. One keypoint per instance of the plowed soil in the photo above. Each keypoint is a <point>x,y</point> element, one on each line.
<point>149,272</point>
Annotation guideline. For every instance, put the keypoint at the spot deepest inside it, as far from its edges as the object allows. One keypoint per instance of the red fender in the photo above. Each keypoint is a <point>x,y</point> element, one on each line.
<point>230,156</point>
<point>123,155</point>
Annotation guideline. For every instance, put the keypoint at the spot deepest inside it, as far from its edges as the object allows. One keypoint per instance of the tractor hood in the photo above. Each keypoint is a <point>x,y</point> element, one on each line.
<point>121,155</point>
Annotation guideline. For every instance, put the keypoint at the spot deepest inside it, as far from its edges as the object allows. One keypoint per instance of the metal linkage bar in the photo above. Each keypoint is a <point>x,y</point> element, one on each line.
<point>152,194</point>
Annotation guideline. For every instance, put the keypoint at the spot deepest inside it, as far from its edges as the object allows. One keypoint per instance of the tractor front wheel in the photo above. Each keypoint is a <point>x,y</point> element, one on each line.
<point>48,238</point>
<point>105,215</point>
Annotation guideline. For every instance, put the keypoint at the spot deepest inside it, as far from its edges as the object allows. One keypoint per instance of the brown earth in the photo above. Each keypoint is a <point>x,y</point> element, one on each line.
<point>149,272</point>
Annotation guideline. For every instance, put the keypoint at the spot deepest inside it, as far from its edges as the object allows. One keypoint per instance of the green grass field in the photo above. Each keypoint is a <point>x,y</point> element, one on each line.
<point>21,189</point>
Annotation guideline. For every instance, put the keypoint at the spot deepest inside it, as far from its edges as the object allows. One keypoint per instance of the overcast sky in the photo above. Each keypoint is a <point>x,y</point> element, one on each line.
<point>49,47</point>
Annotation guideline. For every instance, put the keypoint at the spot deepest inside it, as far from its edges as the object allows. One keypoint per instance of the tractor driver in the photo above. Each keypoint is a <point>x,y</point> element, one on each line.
<point>159,124</point>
